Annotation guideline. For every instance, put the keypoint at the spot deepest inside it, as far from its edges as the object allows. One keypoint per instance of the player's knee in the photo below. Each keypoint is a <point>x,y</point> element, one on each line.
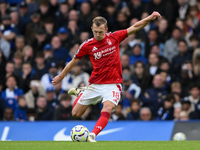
<point>108,108</point>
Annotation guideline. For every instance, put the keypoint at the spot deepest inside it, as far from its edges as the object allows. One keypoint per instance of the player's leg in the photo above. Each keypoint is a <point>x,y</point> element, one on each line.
<point>108,106</point>
<point>112,94</point>
<point>78,110</point>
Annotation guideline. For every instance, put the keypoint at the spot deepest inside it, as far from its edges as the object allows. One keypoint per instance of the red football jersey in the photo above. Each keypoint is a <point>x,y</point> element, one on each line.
<point>105,57</point>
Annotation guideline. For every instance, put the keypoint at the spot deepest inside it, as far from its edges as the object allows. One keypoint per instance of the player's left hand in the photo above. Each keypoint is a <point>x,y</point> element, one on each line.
<point>155,15</point>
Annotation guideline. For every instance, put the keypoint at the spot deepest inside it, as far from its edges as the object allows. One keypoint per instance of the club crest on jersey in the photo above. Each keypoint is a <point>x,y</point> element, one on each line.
<point>109,42</point>
<point>97,55</point>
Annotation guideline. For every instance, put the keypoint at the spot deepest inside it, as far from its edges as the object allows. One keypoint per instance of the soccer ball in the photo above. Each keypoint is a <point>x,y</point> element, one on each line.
<point>179,137</point>
<point>79,133</point>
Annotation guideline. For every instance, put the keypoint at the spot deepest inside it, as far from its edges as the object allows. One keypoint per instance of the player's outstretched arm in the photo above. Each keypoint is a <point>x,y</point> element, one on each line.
<point>142,23</point>
<point>67,68</point>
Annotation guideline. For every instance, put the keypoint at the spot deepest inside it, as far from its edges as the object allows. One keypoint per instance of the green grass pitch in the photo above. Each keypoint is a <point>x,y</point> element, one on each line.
<point>100,145</point>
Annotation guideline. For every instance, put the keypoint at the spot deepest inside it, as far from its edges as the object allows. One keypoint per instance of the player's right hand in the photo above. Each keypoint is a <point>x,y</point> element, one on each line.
<point>57,79</point>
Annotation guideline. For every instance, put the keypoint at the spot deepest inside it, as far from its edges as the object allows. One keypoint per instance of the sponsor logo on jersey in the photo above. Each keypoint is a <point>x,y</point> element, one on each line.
<point>94,48</point>
<point>105,52</point>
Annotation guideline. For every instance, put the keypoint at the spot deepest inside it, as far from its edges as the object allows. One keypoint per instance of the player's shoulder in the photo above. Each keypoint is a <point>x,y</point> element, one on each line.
<point>89,41</point>
<point>86,42</point>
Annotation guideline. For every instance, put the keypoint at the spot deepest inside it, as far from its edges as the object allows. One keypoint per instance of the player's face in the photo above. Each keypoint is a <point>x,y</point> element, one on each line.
<point>99,32</point>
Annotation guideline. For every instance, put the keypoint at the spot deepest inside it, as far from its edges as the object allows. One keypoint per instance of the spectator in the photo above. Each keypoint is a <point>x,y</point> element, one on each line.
<point>42,112</point>
<point>155,95</point>
<point>63,112</point>
<point>177,103</point>
<point>166,86</point>
<point>164,65</point>
<point>49,26</point>
<point>47,78</point>
<point>60,53</point>
<point>74,31</point>
<point>183,116</point>
<point>131,90</point>
<point>136,8</point>
<point>145,114</point>
<point>176,87</point>
<point>12,92</point>
<point>137,56</point>
<point>125,61</point>
<point>134,114</point>
<point>75,77</point>
<point>85,16</point>
<point>141,77</point>
<point>35,91</point>
<point>125,48</point>
<point>8,30</point>
<point>155,48</point>
<point>194,97</point>
<point>52,101</point>
<point>153,62</point>
<point>194,43</point>
<point>20,26</point>
<point>193,12</point>
<point>18,59</point>
<point>161,6</point>
<point>166,111</point>
<point>28,54</point>
<point>170,49</point>
<point>32,6</point>
<point>8,114</point>
<point>27,75</point>
<point>163,32</point>
<point>181,9</point>
<point>20,112</point>
<point>44,10</point>
<point>84,35</point>
<point>32,27</point>
<point>121,21</point>
<point>40,40</point>
<point>48,53</point>
<point>4,46</point>
<point>63,35</point>
<point>3,9</point>
<point>186,105</point>
<point>53,5</point>
<point>40,67</point>
<point>19,43</point>
<point>62,15</point>
<point>177,112</point>
<point>117,115</point>
<point>23,13</point>
<point>151,41</point>
<point>180,58</point>
<point>9,69</point>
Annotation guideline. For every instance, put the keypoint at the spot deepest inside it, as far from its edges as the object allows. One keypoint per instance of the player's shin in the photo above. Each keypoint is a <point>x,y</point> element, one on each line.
<point>101,122</point>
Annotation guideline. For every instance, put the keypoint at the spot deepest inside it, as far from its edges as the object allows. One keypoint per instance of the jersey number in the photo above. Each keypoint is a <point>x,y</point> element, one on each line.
<point>115,95</point>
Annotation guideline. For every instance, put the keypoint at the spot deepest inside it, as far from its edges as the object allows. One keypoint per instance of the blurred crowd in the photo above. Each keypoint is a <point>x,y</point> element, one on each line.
<point>160,63</point>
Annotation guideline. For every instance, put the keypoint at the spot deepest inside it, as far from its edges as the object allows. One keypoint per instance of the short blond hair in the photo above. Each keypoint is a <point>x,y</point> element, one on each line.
<point>99,21</point>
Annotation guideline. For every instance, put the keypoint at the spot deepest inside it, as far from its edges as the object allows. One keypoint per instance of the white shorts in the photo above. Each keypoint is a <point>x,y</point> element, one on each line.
<point>95,93</point>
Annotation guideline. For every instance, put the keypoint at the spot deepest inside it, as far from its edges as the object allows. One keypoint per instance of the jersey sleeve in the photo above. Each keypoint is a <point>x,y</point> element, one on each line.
<point>120,35</point>
<point>82,51</point>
